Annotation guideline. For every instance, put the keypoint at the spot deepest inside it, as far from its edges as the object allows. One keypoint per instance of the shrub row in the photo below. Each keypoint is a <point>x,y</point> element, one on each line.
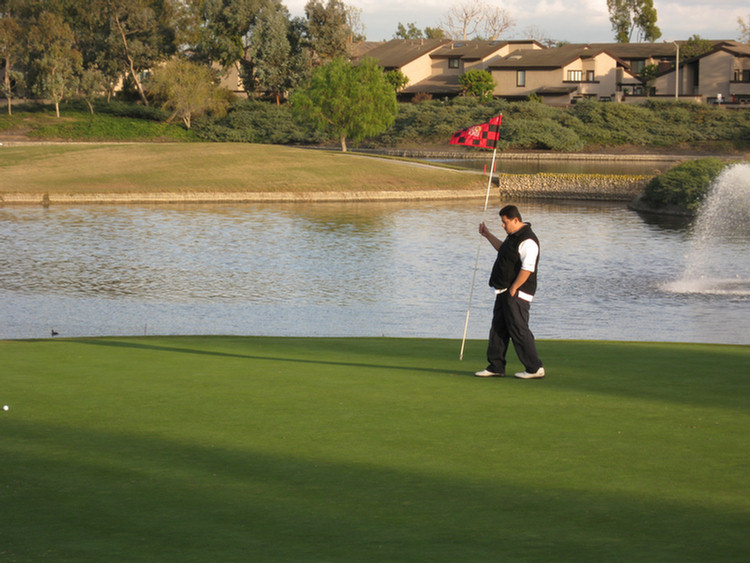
<point>526,125</point>
<point>249,121</point>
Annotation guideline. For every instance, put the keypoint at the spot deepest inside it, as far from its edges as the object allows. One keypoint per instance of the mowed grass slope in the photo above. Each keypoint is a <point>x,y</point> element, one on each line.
<point>195,449</point>
<point>211,167</point>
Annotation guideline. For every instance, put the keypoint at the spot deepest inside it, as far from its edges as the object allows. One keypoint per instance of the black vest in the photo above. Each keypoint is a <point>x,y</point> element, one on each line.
<point>508,261</point>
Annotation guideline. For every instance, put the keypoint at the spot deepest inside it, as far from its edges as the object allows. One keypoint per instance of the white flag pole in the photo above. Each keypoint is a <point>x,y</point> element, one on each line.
<point>476,260</point>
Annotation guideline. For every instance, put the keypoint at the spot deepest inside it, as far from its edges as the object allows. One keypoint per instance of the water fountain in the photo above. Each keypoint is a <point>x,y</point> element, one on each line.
<point>718,262</point>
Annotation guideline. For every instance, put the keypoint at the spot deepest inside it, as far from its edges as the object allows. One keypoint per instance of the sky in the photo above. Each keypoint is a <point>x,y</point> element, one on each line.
<point>575,21</point>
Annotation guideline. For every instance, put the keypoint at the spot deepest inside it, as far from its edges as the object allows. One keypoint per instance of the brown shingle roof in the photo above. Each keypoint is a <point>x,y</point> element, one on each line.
<point>638,50</point>
<point>546,58</point>
<point>399,52</point>
<point>439,84</point>
<point>361,48</point>
<point>474,50</point>
<point>736,48</point>
<point>647,50</point>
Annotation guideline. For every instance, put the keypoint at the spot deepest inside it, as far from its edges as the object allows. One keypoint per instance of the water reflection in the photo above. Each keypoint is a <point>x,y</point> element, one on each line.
<point>365,269</point>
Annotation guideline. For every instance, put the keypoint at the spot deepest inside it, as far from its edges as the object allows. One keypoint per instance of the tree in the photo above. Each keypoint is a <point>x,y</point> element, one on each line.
<point>347,101</point>
<point>92,82</point>
<point>99,42</point>
<point>477,83</point>
<point>475,18</point>
<point>328,28</point>
<point>648,77</point>
<point>434,33</point>
<point>629,16</point>
<point>301,49</point>
<point>188,90</point>
<point>11,49</point>
<point>695,47</point>
<point>217,30</point>
<point>408,31</point>
<point>538,34</point>
<point>744,36</point>
<point>355,25</point>
<point>140,36</point>
<point>277,63</point>
<point>496,22</point>
<point>55,62</point>
<point>411,31</point>
<point>397,79</point>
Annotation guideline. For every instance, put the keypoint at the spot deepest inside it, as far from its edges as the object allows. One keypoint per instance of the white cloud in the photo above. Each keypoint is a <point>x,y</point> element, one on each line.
<point>576,21</point>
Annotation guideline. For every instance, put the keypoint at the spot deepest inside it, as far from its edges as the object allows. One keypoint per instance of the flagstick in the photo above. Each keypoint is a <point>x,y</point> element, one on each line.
<point>476,260</point>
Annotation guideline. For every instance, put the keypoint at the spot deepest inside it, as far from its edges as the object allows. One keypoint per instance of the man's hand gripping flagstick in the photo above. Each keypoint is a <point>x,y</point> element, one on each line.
<point>484,136</point>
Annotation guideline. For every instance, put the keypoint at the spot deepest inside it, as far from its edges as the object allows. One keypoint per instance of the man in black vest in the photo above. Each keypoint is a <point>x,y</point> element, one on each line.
<point>514,279</point>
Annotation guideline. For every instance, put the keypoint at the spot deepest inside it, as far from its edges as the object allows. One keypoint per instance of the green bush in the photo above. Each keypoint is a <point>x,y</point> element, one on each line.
<point>250,121</point>
<point>685,185</point>
<point>119,108</point>
<point>478,83</point>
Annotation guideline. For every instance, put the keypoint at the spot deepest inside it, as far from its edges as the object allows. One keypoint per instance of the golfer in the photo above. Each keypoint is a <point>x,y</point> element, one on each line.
<point>514,279</point>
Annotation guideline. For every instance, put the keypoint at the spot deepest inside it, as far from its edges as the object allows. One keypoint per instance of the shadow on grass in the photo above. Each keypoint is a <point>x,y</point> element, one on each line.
<point>175,349</point>
<point>691,374</point>
<point>72,494</point>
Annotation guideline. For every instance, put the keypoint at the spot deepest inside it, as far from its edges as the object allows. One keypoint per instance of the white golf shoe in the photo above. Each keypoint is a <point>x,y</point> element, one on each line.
<point>538,374</point>
<point>488,373</point>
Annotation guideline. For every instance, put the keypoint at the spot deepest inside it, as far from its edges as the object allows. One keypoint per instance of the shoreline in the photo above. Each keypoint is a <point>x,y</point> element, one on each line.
<point>110,198</point>
<point>598,187</point>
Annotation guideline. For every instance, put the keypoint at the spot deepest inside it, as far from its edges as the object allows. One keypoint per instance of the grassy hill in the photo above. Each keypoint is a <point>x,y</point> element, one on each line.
<point>212,167</point>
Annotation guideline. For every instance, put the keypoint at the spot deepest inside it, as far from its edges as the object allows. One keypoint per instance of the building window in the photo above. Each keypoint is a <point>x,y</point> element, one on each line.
<point>636,67</point>
<point>589,76</point>
<point>575,75</point>
<point>741,75</point>
<point>521,78</point>
<point>453,62</point>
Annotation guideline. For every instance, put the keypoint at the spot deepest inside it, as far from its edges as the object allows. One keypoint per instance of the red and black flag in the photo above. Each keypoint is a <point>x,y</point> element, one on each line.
<point>484,136</point>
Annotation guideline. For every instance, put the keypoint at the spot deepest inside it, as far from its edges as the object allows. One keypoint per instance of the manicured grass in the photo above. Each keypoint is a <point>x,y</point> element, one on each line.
<point>195,449</point>
<point>211,167</point>
<point>83,126</point>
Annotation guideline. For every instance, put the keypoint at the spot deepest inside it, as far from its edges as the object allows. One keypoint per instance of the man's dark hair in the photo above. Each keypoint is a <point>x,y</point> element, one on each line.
<point>511,212</point>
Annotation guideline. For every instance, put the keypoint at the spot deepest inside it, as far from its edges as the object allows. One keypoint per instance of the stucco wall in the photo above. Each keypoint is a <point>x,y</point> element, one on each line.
<point>716,71</point>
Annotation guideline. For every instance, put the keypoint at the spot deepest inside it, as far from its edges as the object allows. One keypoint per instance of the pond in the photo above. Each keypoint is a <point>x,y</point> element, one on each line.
<point>375,269</point>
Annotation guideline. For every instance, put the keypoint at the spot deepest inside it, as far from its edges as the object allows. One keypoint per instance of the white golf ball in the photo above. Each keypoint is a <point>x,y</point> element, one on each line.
<point>5,407</point>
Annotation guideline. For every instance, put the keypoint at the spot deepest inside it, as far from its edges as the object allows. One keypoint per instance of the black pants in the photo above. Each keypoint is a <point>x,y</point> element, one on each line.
<point>510,321</point>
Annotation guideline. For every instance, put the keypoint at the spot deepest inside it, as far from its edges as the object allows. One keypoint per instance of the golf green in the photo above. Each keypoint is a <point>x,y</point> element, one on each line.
<point>223,449</point>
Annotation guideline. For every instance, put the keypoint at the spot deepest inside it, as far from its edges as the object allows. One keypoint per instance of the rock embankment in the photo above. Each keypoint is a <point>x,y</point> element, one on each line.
<point>572,186</point>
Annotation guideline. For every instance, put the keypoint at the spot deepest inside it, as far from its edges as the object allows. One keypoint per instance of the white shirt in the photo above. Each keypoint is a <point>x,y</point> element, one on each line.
<point>529,251</point>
